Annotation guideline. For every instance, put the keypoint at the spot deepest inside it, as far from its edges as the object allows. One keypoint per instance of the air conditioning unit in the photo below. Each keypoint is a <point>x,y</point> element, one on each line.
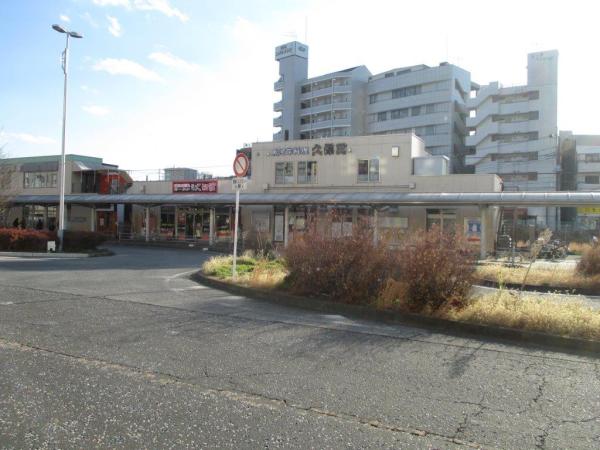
<point>265,186</point>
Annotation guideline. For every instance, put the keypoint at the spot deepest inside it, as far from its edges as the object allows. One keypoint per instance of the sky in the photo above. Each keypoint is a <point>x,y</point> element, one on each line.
<point>164,83</point>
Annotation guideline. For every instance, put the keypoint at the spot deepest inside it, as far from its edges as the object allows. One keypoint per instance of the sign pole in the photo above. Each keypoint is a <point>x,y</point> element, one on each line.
<point>235,231</point>
<point>241,164</point>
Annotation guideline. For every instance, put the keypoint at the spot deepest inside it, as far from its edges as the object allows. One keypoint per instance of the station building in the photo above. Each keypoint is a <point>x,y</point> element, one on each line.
<point>377,178</point>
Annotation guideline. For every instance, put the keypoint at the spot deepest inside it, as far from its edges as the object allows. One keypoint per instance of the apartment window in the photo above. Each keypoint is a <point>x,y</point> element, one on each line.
<point>519,177</point>
<point>406,92</point>
<point>592,179</point>
<point>307,172</point>
<point>430,109</point>
<point>284,173</point>
<point>389,75</point>
<point>368,170</point>
<point>415,111</point>
<point>399,113</point>
<point>515,157</point>
<point>382,116</point>
<point>40,180</point>
<point>592,157</point>
<point>306,88</point>
<point>373,98</point>
<point>515,137</point>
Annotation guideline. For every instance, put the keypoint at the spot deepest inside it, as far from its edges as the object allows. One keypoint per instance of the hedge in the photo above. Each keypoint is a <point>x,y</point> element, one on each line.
<point>17,239</point>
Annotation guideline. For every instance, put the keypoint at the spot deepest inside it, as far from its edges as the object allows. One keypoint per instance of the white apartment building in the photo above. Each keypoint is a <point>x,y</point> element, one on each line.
<point>513,132</point>
<point>427,101</point>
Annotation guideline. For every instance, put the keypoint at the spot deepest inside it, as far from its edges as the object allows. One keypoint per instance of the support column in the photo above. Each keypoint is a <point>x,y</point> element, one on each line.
<point>147,224</point>
<point>483,213</point>
<point>286,225</point>
<point>93,227</point>
<point>176,221</point>
<point>375,226</point>
<point>211,227</point>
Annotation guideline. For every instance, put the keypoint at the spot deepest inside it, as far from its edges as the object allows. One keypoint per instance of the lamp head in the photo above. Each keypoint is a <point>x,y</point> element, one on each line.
<point>58,28</point>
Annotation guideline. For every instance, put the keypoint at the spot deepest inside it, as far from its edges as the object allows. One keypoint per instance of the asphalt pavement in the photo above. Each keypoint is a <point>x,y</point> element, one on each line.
<point>127,352</point>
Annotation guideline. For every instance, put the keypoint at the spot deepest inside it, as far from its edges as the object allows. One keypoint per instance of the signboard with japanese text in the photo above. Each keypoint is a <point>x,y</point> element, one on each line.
<point>195,187</point>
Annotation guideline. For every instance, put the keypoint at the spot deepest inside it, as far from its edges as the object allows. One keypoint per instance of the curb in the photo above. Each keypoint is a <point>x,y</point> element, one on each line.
<point>94,254</point>
<point>546,341</point>
<point>545,289</point>
<point>45,255</point>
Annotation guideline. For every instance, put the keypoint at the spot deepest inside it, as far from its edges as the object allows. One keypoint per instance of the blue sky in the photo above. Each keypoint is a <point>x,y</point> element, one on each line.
<point>158,83</point>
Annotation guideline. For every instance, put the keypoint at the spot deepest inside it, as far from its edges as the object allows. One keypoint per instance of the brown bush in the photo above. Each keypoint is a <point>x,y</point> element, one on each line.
<point>435,272</point>
<point>16,239</point>
<point>350,268</point>
<point>75,241</point>
<point>589,264</point>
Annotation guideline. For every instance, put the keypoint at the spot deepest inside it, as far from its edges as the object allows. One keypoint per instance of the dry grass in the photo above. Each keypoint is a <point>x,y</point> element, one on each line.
<point>252,272</point>
<point>578,248</point>
<point>551,314</point>
<point>554,277</point>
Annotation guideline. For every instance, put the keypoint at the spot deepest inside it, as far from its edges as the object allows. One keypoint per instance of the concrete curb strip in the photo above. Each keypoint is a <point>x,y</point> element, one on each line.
<point>548,341</point>
<point>45,255</point>
<point>96,253</point>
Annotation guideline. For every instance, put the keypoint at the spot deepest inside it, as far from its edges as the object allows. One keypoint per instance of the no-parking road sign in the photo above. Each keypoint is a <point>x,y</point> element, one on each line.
<point>241,164</point>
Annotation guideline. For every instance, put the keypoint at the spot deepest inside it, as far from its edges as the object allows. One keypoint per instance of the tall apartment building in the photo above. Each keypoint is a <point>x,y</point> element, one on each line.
<point>580,171</point>
<point>429,101</point>
<point>513,132</point>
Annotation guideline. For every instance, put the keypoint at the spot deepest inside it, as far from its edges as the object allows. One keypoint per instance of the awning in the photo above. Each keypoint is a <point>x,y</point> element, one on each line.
<point>332,198</point>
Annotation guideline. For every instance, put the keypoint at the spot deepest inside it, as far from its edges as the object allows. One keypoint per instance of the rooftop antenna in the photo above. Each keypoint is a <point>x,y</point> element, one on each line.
<point>306,30</point>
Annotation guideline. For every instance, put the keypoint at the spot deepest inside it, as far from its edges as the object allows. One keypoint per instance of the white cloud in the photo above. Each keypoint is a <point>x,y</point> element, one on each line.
<point>114,27</point>
<point>116,66</point>
<point>89,19</point>
<point>65,18</point>
<point>91,90</point>
<point>124,3</point>
<point>96,110</point>
<point>27,138</point>
<point>161,6</point>
<point>170,60</point>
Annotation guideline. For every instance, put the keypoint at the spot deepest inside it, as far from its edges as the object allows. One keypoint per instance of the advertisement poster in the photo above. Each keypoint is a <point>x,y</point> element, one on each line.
<point>473,229</point>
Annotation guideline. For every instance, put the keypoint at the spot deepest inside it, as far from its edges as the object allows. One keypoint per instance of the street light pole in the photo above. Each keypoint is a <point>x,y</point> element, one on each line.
<point>62,168</point>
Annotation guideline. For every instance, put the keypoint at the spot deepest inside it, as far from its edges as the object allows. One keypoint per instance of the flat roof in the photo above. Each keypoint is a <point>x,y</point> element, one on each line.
<point>345,198</point>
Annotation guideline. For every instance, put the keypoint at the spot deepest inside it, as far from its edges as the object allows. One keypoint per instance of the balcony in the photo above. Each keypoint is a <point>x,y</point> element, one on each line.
<point>278,121</point>
<point>278,106</point>
<point>278,136</point>
<point>278,86</point>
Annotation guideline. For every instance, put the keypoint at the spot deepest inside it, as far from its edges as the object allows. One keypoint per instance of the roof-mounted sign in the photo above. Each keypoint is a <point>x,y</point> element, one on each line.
<point>291,49</point>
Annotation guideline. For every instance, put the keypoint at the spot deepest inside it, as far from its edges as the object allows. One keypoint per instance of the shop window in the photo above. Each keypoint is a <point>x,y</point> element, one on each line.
<point>284,173</point>
<point>368,170</point>
<point>307,172</point>
<point>40,179</point>
<point>445,219</point>
<point>167,221</point>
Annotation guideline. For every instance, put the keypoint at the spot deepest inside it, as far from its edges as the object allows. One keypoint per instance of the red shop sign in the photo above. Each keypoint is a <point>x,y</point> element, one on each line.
<point>195,187</point>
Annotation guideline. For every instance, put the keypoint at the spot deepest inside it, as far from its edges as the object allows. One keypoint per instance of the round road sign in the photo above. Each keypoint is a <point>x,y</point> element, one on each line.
<point>241,163</point>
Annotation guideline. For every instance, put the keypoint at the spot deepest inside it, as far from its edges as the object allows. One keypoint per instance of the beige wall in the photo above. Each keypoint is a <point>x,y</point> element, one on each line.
<point>340,172</point>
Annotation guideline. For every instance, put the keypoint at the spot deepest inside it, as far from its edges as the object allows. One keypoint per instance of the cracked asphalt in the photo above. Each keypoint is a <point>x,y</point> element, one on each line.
<point>127,352</point>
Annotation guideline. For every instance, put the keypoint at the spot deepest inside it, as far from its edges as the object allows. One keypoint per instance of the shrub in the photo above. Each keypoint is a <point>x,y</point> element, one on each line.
<point>350,268</point>
<point>589,264</point>
<point>435,271</point>
<point>16,239</point>
<point>75,241</point>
